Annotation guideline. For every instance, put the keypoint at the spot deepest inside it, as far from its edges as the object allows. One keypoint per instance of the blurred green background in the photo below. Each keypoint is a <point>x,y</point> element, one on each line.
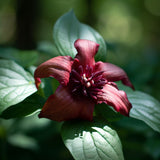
<point>131,29</point>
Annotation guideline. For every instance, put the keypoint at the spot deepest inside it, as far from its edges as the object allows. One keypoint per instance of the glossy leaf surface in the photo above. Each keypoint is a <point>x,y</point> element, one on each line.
<point>144,107</point>
<point>15,84</point>
<point>91,141</point>
<point>68,29</point>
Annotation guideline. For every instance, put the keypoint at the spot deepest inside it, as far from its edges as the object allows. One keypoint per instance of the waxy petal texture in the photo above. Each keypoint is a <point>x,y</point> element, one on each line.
<point>83,83</point>
<point>58,67</point>
<point>115,98</point>
<point>86,51</point>
<point>62,106</point>
<point>113,73</point>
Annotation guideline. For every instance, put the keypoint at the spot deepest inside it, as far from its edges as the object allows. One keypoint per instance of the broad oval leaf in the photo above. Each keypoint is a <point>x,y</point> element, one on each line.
<point>91,141</point>
<point>29,106</point>
<point>144,107</point>
<point>22,57</point>
<point>15,84</point>
<point>107,112</point>
<point>68,29</point>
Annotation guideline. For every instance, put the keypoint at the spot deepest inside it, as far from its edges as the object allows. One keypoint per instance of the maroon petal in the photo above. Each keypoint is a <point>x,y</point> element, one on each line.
<point>86,51</point>
<point>113,73</point>
<point>58,67</point>
<point>115,98</point>
<point>62,106</point>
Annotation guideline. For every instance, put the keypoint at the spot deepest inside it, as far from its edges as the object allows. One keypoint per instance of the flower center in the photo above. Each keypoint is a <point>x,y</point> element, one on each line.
<point>86,82</point>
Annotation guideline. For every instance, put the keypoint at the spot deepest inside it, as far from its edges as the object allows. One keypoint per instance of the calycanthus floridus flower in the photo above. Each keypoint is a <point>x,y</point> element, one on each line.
<point>83,83</point>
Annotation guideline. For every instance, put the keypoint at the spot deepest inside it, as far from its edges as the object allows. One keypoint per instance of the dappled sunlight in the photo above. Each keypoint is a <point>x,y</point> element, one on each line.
<point>60,63</point>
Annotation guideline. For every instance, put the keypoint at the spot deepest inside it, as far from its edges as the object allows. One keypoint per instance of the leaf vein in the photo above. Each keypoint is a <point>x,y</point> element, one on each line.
<point>109,143</point>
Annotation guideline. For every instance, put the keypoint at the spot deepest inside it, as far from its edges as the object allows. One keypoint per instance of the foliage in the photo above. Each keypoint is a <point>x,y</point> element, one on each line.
<point>84,140</point>
<point>68,29</point>
<point>15,84</point>
<point>91,140</point>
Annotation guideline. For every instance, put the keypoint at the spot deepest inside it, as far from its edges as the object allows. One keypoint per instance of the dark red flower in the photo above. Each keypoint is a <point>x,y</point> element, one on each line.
<point>83,83</point>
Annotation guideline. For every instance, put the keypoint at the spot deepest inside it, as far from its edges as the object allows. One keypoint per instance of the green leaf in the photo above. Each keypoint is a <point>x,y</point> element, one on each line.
<point>30,105</point>
<point>15,84</point>
<point>90,140</point>
<point>24,58</point>
<point>68,29</point>
<point>144,107</point>
<point>23,141</point>
<point>48,48</point>
<point>107,112</point>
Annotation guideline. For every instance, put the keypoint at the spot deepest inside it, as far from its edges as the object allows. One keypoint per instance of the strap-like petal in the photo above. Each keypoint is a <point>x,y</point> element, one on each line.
<point>58,67</point>
<point>115,98</point>
<point>62,106</point>
<point>113,73</point>
<point>86,51</point>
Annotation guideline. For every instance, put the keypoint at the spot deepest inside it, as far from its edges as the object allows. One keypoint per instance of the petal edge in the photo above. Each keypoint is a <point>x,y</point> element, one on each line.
<point>86,51</point>
<point>62,106</point>
<point>115,98</point>
<point>113,73</point>
<point>57,67</point>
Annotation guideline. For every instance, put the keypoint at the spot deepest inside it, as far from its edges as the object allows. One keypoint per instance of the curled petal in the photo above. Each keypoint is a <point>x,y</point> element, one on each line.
<point>62,106</point>
<point>115,98</point>
<point>58,67</point>
<point>86,51</point>
<point>113,73</point>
